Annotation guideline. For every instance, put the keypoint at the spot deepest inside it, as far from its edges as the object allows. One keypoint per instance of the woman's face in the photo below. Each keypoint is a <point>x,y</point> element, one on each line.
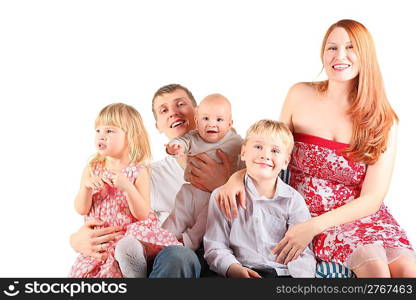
<point>174,113</point>
<point>340,58</point>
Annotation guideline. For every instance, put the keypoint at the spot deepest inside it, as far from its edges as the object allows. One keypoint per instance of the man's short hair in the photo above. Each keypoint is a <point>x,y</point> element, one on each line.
<point>170,88</point>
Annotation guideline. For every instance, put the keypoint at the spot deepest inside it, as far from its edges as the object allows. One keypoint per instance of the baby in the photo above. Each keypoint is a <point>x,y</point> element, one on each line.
<point>213,121</point>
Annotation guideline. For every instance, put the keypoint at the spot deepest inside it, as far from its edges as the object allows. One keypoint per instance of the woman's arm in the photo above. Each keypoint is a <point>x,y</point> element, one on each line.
<point>374,189</point>
<point>289,105</point>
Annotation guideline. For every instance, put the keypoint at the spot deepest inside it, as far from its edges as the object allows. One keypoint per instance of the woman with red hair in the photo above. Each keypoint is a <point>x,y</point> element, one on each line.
<point>342,162</point>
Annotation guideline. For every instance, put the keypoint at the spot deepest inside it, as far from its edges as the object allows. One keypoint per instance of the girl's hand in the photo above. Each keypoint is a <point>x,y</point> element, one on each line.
<point>174,149</point>
<point>94,183</point>
<point>205,173</point>
<point>296,239</point>
<point>238,271</point>
<point>118,179</point>
<point>94,242</point>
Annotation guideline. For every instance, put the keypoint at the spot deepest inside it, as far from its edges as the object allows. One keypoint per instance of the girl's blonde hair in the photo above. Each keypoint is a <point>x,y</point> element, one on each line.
<point>371,113</point>
<point>273,129</point>
<point>129,120</point>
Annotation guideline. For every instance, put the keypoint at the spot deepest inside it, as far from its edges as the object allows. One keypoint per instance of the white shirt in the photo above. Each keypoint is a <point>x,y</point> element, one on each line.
<point>250,238</point>
<point>188,219</point>
<point>166,178</point>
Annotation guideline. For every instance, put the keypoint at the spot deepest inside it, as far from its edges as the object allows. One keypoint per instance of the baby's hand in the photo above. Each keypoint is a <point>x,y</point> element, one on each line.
<point>174,149</point>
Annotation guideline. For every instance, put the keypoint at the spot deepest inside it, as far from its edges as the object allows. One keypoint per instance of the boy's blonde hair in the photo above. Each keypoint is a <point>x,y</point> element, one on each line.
<point>273,129</point>
<point>129,120</point>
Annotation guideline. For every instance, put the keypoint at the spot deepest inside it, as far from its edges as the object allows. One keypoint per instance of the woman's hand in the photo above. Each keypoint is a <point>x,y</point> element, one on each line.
<point>94,242</point>
<point>296,239</point>
<point>205,173</point>
<point>230,193</point>
<point>238,271</point>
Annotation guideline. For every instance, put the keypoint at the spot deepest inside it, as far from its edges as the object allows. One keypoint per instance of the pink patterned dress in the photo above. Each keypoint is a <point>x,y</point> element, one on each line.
<point>327,180</point>
<point>110,205</point>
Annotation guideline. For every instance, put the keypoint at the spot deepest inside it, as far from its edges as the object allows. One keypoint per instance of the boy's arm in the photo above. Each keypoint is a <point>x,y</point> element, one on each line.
<point>218,253</point>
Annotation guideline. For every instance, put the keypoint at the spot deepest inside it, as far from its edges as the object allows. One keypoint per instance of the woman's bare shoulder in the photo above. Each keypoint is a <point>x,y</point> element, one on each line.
<point>304,88</point>
<point>301,92</point>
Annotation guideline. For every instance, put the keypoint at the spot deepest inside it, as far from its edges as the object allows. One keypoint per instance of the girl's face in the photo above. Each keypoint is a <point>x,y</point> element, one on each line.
<point>174,113</point>
<point>111,141</point>
<point>340,58</point>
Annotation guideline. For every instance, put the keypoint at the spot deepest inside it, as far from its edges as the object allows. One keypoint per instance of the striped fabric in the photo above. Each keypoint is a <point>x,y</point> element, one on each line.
<point>324,269</point>
<point>332,270</point>
<point>285,176</point>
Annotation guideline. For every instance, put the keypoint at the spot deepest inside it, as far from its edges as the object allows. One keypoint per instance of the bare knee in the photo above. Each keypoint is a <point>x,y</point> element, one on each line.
<point>403,267</point>
<point>373,269</point>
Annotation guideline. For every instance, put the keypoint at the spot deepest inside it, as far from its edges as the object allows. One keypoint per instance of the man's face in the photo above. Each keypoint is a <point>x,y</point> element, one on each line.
<point>174,113</point>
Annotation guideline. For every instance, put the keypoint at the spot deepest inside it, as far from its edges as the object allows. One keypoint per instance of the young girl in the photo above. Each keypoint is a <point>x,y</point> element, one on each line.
<point>115,189</point>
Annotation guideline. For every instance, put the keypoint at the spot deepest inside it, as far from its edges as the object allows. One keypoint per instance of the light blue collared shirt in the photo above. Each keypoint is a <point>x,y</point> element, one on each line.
<point>249,239</point>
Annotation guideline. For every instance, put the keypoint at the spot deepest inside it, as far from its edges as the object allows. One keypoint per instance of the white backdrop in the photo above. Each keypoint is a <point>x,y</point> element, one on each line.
<point>62,61</point>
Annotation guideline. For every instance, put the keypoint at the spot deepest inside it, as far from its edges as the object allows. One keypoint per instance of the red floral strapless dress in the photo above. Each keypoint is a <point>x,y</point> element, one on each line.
<point>110,205</point>
<point>327,180</point>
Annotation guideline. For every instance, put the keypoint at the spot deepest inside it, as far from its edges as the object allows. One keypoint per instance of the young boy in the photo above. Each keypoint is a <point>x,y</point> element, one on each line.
<point>213,122</point>
<point>243,246</point>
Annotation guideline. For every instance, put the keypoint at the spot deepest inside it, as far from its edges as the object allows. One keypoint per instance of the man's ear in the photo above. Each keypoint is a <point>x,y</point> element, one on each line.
<point>243,152</point>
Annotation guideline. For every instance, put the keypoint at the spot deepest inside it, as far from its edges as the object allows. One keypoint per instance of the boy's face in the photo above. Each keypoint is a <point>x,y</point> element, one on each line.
<point>213,120</point>
<point>265,157</point>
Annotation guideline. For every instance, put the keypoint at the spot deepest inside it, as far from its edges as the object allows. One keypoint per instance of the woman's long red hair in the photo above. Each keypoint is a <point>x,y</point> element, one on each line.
<point>371,113</point>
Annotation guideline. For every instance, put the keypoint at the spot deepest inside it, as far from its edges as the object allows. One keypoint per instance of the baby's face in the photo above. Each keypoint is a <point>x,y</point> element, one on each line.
<point>213,121</point>
<point>265,157</point>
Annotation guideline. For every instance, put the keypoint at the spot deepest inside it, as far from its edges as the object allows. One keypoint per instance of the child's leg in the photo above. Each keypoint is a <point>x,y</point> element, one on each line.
<point>373,269</point>
<point>403,267</point>
<point>131,258</point>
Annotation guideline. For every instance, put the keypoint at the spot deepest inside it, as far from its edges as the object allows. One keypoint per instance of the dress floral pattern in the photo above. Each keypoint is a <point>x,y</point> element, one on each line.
<point>327,180</point>
<point>110,205</point>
